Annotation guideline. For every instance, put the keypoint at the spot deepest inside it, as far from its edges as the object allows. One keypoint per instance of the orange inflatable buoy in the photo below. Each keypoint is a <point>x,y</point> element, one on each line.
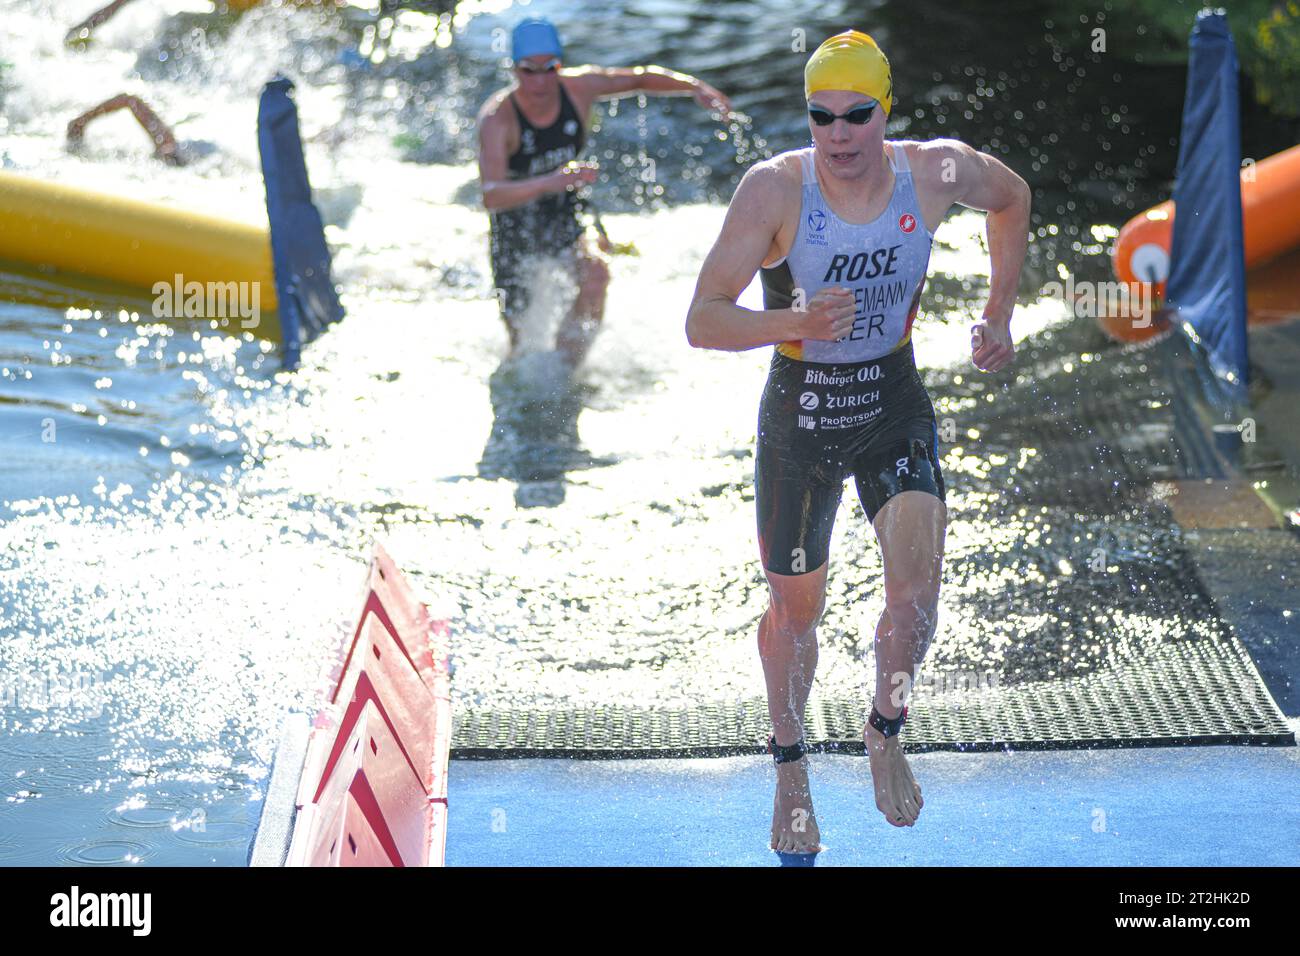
<point>1270,219</point>
<point>1129,324</point>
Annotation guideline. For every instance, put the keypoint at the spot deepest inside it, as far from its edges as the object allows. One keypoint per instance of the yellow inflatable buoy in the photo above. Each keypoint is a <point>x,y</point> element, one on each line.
<point>139,244</point>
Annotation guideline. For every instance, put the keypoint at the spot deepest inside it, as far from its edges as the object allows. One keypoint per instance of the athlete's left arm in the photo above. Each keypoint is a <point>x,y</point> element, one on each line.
<point>611,82</point>
<point>963,175</point>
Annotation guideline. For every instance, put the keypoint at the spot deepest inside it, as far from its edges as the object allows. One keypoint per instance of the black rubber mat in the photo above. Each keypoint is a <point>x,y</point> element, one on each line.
<point>1180,677</point>
<point>1203,692</point>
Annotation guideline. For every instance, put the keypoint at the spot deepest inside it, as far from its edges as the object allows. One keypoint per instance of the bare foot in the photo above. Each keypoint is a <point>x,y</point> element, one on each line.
<point>794,823</point>
<point>898,795</point>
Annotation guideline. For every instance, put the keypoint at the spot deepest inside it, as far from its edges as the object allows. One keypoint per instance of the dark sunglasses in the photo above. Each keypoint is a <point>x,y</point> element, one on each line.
<point>550,67</point>
<point>858,116</point>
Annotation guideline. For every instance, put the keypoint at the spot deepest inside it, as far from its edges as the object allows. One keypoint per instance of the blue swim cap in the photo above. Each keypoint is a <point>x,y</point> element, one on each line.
<point>535,37</point>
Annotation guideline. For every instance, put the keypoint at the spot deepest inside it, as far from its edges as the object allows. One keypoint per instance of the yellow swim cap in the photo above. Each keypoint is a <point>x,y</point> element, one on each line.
<point>850,61</point>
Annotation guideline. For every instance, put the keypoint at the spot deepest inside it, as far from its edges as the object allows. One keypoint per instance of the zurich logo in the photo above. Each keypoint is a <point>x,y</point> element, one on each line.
<point>570,128</point>
<point>817,220</point>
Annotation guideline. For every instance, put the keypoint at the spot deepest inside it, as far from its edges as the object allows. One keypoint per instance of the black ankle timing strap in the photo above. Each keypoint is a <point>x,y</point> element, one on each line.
<point>786,754</point>
<point>887,727</point>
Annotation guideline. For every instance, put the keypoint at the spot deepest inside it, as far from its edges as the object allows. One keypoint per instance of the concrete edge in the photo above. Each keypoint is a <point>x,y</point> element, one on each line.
<point>1211,443</point>
<point>270,846</point>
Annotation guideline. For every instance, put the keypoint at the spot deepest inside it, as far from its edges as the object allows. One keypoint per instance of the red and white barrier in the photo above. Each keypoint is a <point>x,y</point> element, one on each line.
<point>373,790</point>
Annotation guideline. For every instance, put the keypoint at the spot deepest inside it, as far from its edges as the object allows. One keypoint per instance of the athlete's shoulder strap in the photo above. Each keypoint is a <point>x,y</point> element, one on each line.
<point>806,164</point>
<point>519,114</point>
<point>566,103</point>
<point>809,178</point>
<point>898,158</point>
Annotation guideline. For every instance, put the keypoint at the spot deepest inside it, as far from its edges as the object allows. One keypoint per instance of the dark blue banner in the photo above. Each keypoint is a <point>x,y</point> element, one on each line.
<point>304,285</point>
<point>1207,278</point>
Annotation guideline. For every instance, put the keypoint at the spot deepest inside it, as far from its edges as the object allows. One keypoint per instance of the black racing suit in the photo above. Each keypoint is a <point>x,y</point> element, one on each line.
<point>550,224</point>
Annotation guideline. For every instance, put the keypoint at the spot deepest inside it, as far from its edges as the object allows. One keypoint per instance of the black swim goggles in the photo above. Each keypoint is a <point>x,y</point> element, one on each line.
<point>858,116</point>
<point>550,66</point>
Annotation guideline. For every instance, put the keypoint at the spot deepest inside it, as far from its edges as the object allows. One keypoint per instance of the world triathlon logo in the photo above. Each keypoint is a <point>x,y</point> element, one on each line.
<point>816,227</point>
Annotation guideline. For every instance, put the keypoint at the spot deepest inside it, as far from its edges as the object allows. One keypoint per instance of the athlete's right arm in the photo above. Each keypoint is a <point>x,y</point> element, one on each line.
<point>502,192</point>
<point>714,321</point>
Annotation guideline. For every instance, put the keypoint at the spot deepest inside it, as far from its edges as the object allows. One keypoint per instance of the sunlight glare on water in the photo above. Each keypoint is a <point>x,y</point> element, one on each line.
<point>189,547</point>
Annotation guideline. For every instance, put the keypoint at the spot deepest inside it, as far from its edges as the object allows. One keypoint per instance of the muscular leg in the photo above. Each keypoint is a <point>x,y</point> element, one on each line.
<point>798,486</point>
<point>787,645</point>
<point>578,328</point>
<point>911,530</point>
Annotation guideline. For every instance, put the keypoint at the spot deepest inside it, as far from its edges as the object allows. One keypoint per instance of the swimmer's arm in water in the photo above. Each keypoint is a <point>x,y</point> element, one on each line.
<point>502,192</point>
<point>82,30</point>
<point>611,82</point>
<point>754,218</point>
<point>977,180</point>
<point>164,141</point>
